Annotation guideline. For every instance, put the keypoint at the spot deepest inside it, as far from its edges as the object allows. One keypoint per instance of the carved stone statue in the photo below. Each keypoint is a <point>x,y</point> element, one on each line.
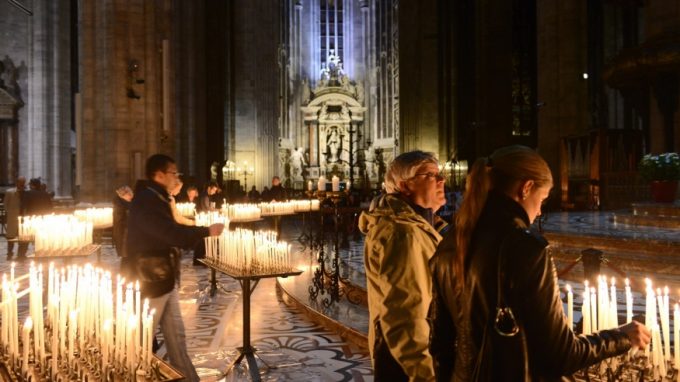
<point>306,91</point>
<point>213,171</point>
<point>324,74</point>
<point>333,145</point>
<point>359,89</point>
<point>369,160</point>
<point>341,70</point>
<point>225,171</point>
<point>347,85</point>
<point>297,163</point>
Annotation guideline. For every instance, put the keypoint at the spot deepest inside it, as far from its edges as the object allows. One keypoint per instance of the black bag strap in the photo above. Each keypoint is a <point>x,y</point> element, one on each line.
<point>505,323</point>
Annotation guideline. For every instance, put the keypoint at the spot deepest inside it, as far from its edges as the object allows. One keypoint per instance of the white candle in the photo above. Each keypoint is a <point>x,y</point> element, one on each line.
<point>676,336</point>
<point>73,326</point>
<point>309,185</point>
<point>348,186</point>
<point>26,338</point>
<point>585,310</point>
<point>665,323</point>
<point>593,311</point>
<point>629,302</point>
<point>150,336</point>
<point>614,311</point>
<point>335,183</point>
<point>570,307</point>
<point>322,183</point>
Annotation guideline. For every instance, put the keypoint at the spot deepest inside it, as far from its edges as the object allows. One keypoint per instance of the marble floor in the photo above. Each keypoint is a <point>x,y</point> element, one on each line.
<point>299,349</point>
<point>630,251</point>
<point>296,348</point>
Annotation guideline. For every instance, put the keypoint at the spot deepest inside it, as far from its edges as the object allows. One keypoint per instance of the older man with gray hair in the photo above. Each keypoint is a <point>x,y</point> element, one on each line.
<point>402,234</point>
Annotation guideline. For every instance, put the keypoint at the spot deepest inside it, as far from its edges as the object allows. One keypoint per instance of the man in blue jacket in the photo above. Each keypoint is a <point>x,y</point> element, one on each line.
<point>153,235</point>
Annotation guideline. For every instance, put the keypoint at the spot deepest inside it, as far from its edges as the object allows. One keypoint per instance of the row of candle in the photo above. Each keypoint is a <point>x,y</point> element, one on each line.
<point>55,233</point>
<point>186,209</point>
<point>236,212</point>
<point>80,315</point>
<point>277,208</point>
<point>206,219</point>
<point>335,184</point>
<point>599,311</point>
<point>248,252</point>
<point>99,217</point>
<point>306,205</point>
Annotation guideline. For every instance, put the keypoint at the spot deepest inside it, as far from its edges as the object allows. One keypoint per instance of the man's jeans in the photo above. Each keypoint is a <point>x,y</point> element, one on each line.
<point>169,316</point>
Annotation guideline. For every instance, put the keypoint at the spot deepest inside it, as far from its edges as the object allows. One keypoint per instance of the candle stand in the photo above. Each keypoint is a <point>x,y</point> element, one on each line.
<point>625,368</point>
<point>248,284</point>
<point>306,237</point>
<point>321,274</point>
<point>86,366</point>
<point>318,278</point>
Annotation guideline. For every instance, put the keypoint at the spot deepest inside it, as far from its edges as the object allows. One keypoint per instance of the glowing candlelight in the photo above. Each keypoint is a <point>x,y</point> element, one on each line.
<point>570,307</point>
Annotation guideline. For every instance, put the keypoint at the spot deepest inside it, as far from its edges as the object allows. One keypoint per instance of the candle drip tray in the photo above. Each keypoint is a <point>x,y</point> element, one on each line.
<point>164,373</point>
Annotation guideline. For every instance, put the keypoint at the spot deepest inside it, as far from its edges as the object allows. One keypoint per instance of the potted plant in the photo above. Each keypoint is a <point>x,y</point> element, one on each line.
<point>663,173</point>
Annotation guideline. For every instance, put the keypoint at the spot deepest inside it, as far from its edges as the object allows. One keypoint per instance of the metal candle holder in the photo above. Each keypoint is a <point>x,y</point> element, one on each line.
<point>322,276</point>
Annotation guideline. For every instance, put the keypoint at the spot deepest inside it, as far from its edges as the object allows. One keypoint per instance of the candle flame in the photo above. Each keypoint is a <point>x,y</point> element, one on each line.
<point>627,282</point>
<point>568,288</point>
<point>29,323</point>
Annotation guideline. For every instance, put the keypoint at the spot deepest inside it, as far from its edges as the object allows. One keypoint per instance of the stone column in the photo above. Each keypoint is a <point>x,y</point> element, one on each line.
<point>46,149</point>
<point>561,52</point>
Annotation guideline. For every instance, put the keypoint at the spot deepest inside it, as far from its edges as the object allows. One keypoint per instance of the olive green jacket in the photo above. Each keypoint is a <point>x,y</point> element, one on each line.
<point>399,243</point>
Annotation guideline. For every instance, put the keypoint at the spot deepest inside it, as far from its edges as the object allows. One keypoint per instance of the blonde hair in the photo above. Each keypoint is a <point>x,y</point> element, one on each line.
<point>404,167</point>
<point>500,171</point>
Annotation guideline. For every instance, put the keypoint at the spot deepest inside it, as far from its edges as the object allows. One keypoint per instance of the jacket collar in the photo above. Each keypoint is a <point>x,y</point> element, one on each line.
<point>401,210</point>
<point>158,189</point>
<point>502,208</point>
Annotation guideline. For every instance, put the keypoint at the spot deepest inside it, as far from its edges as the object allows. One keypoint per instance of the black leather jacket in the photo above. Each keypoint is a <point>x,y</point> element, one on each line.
<point>545,349</point>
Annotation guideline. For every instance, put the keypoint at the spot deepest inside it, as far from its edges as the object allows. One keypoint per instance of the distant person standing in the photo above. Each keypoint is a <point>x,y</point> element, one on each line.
<point>277,192</point>
<point>14,209</point>
<point>121,208</point>
<point>253,195</point>
<point>206,201</point>
<point>191,195</point>
<point>153,235</point>
<point>36,200</point>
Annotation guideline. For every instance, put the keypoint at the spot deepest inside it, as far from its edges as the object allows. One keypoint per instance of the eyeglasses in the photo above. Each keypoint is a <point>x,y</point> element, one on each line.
<point>436,175</point>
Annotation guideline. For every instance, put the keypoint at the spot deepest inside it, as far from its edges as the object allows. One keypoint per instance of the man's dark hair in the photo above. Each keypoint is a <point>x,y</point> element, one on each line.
<point>157,162</point>
<point>192,187</point>
<point>35,183</point>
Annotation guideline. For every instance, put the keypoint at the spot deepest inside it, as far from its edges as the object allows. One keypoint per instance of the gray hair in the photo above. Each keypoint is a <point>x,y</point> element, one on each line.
<point>404,167</point>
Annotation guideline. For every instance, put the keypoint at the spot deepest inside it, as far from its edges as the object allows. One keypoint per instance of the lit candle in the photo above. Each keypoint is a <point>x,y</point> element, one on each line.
<point>570,307</point>
<point>322,184</point>
<point>629,302</point>
<point>614,311</point>
<point>309,185</point>
<point>593,311</point>
<point>348,186</point>
<point>335,183</point>
<point>665,323</point>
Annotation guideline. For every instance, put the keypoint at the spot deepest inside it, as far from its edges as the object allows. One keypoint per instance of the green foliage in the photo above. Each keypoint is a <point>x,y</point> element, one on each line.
<point>664,166</point>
